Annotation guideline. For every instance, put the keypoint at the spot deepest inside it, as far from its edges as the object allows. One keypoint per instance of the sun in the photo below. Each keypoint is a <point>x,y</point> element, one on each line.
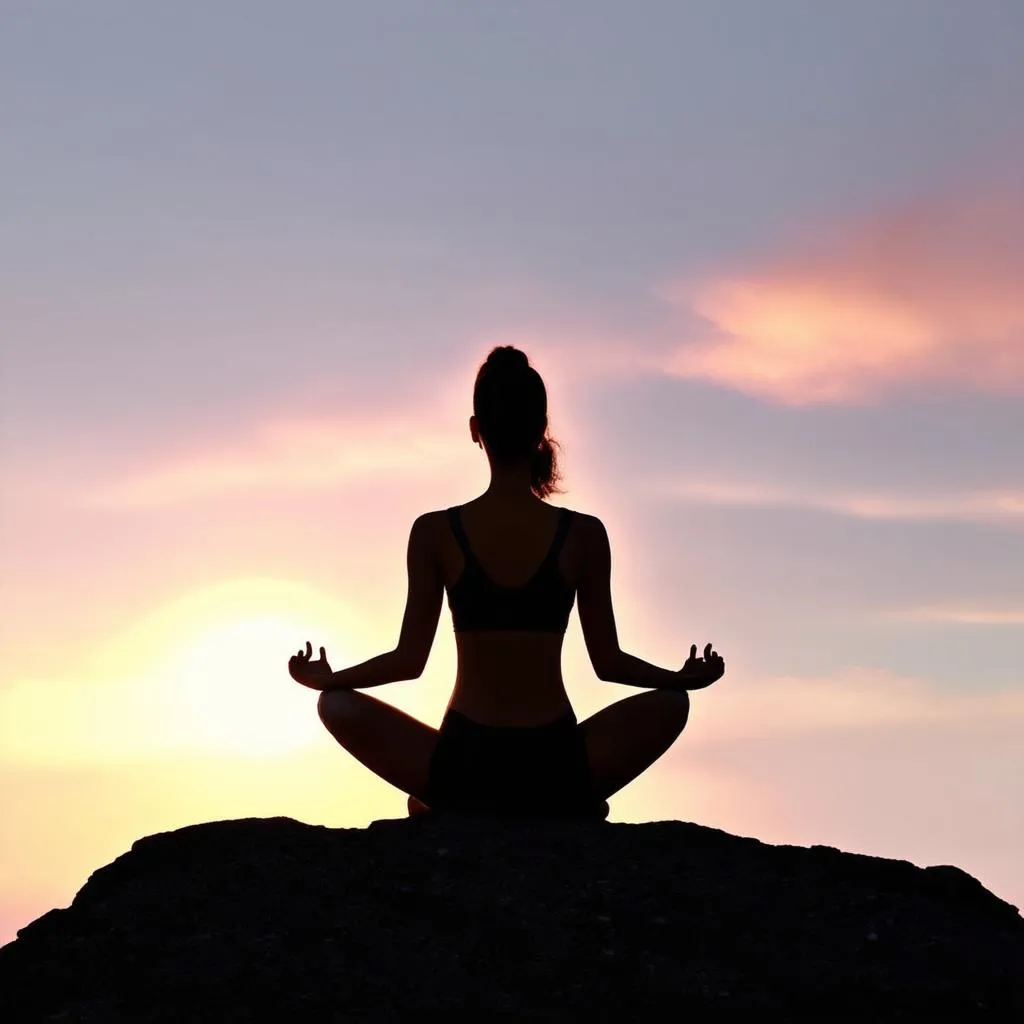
<point>202,674</point>
<point>231,685</point>
<point>218,666</point>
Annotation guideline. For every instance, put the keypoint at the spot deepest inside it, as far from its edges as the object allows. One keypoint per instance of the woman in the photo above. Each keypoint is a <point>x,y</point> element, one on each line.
<point>512,566</point>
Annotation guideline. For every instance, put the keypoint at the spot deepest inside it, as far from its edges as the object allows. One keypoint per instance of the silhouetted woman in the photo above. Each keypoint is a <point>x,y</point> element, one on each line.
<point>512,566</point>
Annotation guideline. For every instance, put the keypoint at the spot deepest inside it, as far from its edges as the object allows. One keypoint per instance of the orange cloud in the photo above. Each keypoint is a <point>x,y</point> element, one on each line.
<point>933,293</point>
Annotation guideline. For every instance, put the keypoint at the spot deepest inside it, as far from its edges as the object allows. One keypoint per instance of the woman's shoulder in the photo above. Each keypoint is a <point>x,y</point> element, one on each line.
<point>584,522</point>
<point>589,529</point>
<point>430,521</point>
<point>586,532</point>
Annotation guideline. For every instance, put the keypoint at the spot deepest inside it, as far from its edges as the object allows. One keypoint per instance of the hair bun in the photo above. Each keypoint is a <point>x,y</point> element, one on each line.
<point>508,357</point>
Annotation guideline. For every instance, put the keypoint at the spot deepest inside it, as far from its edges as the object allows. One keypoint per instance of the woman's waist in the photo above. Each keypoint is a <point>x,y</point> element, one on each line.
<point>526,700</point>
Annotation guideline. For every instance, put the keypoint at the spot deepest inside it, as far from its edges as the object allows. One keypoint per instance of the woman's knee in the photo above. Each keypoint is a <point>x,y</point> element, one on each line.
<point>674,705</point>
<point>336,706</point>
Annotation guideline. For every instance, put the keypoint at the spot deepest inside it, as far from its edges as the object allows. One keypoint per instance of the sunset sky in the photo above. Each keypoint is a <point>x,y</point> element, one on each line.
<point>769,258</point>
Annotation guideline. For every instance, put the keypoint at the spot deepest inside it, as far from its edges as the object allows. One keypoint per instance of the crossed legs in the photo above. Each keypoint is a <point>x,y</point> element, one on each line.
<point>627,737</point>
<point>622,740</point>
<point>392,744</point>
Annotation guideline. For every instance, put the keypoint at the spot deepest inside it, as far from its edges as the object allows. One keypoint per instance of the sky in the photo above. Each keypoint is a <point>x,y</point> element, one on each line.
<point>769,261</point>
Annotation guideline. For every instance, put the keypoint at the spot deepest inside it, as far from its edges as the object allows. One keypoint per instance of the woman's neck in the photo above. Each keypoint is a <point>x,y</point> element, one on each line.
<point>510,489</point>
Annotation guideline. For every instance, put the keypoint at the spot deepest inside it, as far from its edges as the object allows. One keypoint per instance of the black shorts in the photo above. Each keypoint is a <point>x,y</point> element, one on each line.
<point>511,770</point>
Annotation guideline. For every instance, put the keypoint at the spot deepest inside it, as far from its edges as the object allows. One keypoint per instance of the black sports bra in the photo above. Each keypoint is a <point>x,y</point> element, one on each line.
<point>543,603</point>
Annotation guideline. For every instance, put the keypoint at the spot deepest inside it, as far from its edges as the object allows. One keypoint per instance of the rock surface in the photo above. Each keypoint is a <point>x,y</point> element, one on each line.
<point>272,918</point>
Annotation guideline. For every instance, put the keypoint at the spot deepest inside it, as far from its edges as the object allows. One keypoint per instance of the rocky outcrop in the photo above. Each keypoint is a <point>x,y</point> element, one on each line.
<point>590,920</point>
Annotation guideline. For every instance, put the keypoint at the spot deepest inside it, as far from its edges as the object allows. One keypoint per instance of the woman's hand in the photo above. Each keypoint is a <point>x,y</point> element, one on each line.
<point>701,672</point>
<point>310,673</point>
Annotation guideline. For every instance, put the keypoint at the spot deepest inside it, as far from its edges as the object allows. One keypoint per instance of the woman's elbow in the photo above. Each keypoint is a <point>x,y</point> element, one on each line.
<point>409,666</point>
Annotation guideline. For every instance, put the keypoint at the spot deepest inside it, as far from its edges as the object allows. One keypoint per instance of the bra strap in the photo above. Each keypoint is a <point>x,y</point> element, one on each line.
<point>560,534</point>
<point>455,521</point>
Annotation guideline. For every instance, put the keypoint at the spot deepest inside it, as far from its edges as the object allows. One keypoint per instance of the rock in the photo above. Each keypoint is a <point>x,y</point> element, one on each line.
<point>272,918</point>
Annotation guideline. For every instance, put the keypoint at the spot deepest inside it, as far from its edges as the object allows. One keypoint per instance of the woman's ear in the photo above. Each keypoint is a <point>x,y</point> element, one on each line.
<point>474,433</point>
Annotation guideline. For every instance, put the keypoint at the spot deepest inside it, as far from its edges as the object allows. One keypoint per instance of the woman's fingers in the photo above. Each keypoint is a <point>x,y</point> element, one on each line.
<point>305,655</point>
<point>302,656</point>
<point>693,650</point>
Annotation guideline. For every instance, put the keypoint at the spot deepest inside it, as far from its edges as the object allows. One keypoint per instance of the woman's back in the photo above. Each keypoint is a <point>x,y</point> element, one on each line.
<point>522,554</point>
<point>513,567</point>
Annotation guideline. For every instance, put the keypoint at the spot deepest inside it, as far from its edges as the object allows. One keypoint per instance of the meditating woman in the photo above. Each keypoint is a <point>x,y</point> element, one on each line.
<point>512,566</point>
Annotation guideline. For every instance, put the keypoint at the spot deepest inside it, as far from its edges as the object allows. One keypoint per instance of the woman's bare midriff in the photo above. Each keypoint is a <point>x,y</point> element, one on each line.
<point>509,677</point>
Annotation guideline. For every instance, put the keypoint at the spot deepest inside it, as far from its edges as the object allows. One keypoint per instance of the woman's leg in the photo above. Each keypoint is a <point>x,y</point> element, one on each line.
<point>416,807</point>
<point>389,742</point>
<point>627,737</point>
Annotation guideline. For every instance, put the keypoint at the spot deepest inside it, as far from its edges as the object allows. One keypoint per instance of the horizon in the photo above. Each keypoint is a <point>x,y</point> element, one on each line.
<point>768,263</point>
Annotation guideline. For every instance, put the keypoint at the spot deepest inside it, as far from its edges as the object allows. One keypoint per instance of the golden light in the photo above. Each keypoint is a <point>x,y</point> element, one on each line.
<point>206,673</point>
<point>232,692</point>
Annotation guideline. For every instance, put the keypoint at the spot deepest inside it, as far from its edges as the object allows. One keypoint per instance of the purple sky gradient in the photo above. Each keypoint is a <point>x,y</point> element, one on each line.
<point>766,256</point>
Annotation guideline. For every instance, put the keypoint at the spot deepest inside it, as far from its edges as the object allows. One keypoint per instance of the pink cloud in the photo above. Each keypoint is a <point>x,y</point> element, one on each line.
<point>391,437</point>
<point>932,293</point>
<point>299,453</point>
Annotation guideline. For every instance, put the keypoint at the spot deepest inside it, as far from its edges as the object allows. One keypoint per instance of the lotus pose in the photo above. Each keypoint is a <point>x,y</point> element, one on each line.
<point>512,566</point>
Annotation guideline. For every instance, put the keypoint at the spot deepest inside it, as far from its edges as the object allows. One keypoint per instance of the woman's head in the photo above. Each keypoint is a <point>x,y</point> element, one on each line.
<point>510,404</point>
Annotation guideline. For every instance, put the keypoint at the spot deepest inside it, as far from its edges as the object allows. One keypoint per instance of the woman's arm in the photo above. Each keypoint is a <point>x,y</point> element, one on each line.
<point>694,675</point>
<point>419,623</point>
<point>597,618</point>
<point>631,671</point>
<point>611,663</point>
<point>316,673</point>
<point>385,668</point>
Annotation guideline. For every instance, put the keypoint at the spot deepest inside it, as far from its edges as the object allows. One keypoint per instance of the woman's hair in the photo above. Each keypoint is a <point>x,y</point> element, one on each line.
<point>510,403</point>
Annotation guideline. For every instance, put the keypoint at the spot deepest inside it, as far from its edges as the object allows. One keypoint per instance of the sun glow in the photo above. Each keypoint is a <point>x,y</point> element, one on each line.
<point>232,691</point>
<point>204,674</point>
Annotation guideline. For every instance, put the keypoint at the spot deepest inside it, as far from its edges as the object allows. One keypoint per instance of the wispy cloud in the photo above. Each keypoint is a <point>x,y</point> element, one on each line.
<point>393,436</point>
<point>962,615</point>
<point>304,454</point>
<point>927,294</point>
<point>988,506</point>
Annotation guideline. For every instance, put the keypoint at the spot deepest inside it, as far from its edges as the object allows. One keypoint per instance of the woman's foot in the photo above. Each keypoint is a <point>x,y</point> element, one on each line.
<point>417,807</point>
